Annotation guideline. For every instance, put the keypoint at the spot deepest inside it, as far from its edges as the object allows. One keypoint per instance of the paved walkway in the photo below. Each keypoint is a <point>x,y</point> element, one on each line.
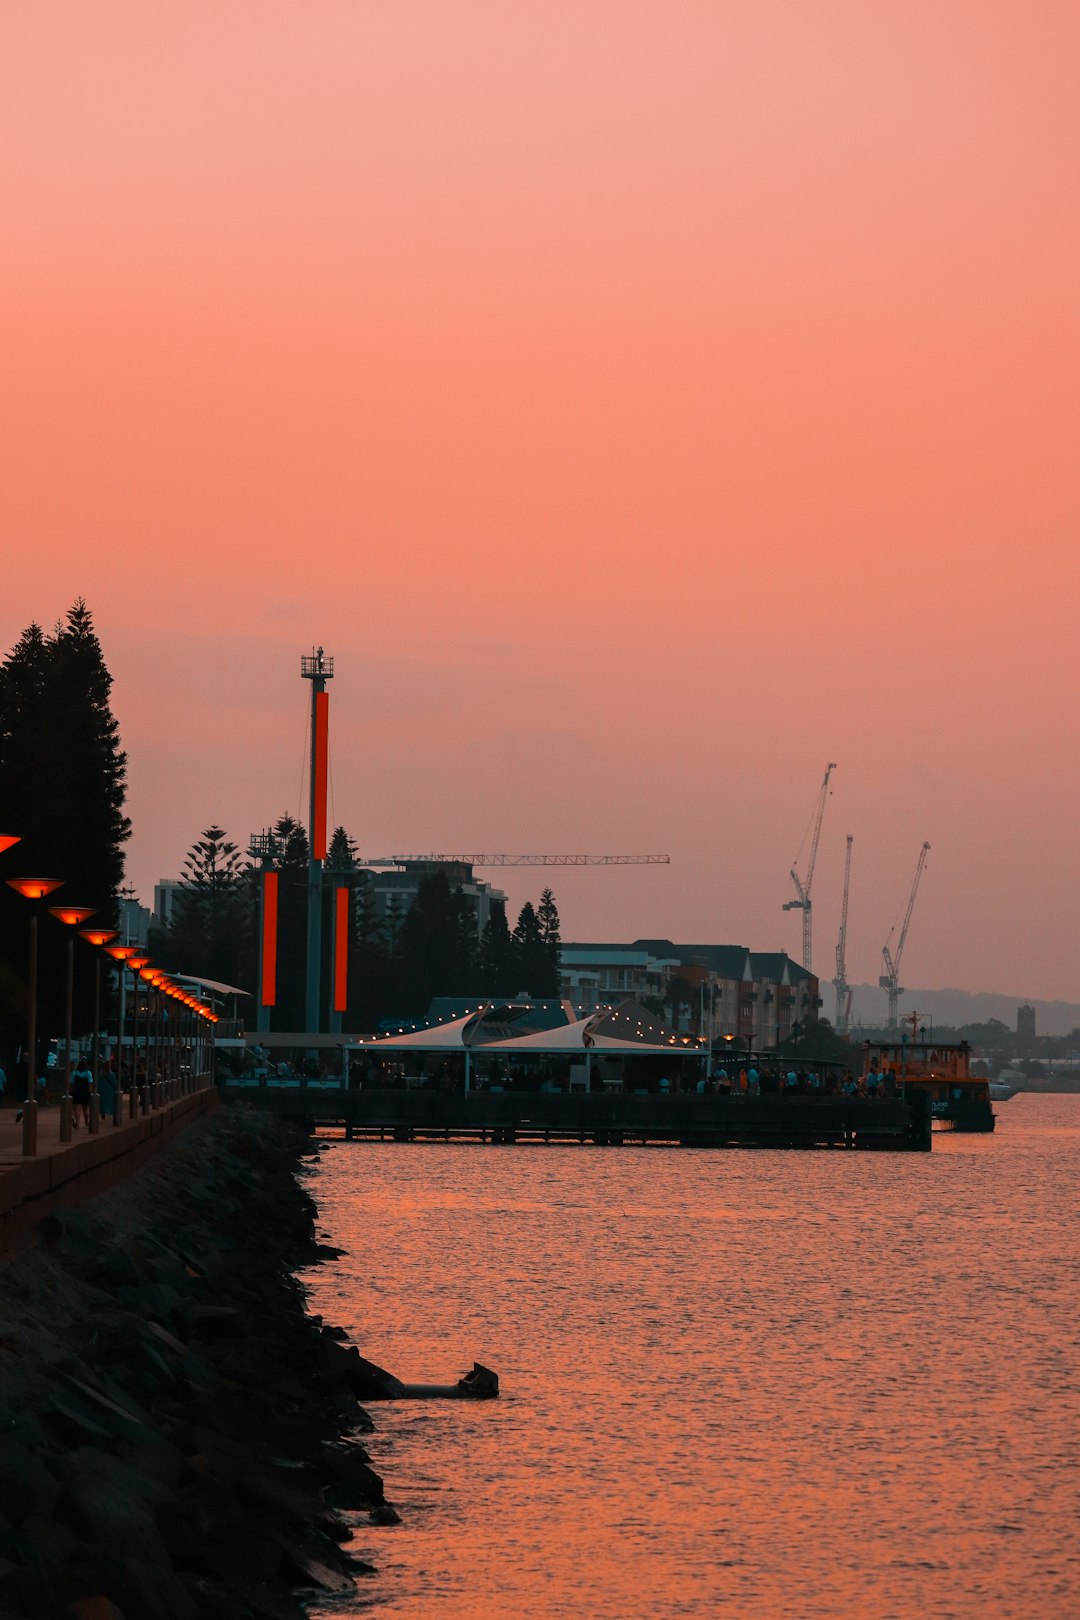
<point>48,1133</point>
<point>64,1173</point>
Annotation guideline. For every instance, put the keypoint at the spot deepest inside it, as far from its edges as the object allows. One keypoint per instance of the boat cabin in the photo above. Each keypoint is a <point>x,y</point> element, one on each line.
<point>957,1097</point>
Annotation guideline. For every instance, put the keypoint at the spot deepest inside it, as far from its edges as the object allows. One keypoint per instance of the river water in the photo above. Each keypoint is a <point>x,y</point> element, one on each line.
<point>746,1382</point>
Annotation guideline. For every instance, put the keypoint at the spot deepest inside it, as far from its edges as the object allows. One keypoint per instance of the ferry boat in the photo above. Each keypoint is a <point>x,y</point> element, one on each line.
<point>958,1099</point>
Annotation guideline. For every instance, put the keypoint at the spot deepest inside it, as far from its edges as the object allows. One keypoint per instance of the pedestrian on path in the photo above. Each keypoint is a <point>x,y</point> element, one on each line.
<point>107,1089</point>
<point>81,1081</point>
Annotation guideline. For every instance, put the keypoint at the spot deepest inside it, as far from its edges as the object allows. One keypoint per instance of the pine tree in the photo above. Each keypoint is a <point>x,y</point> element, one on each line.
<point>433,958</point>
<point>370,968</point>
<point>212,924</point>
<point>547,918</point>
<point>89,742</point>
<point>292,924</point>
<point>495,973</point>
<point>530,959</point>
<point>63,773</point>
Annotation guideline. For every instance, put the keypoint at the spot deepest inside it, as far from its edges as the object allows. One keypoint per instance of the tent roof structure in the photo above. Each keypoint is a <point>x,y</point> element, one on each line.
<point>212,984</point>
<point>448,1037</point>
<point>564,1038</point>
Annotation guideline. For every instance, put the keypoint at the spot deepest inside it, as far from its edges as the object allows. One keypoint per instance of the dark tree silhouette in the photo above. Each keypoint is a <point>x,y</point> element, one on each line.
<point>437,946</point>
<point>531,963</point>
<point>292,924</point>
<point>496,970</point>
<point>212,926</point>
<point>62,790</point>
<point>547,918</point>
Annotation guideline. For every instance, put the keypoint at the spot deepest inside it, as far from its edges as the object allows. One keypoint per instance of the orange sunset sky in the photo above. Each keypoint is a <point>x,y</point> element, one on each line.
<point>645,403</point>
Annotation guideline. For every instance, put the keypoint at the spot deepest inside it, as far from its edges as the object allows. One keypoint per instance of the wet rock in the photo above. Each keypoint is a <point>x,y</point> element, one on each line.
<point>26,1485</point>
<point>354,1484</point>
<point>217,1322</point>
<point>173,1440</point>
<point>97,1607</point>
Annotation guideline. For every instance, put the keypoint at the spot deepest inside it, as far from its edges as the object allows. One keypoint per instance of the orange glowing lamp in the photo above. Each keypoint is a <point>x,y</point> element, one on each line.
<point>137,961</point>
<point>121,953</point>
<point>150,974</point>
<point>97,936</point>
<point>71,915</point>
<point>6,841</point>
<point>34,888</point>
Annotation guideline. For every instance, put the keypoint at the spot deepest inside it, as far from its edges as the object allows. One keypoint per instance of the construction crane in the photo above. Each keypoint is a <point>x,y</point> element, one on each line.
<point>840,983</point>
<point>890,979</point>
<point>802,886</point>
<point>520,860</point>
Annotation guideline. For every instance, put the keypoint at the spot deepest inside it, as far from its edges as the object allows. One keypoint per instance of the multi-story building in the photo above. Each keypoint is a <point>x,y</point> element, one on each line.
<point>165,894</point>
<point>394,890</point>
<point>1025,1030</point>
<point>591,974</point>
<point>752,996</point>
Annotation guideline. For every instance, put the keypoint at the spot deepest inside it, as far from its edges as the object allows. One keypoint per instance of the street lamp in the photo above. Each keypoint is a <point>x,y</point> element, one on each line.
<point>158,982</point>
<point>71,916</point>
<point>150,976</point>
<point>7,840</point>
<point>120,954</point>
<point>136,963</point>
<point>35,890</point>
<point>98,937</point>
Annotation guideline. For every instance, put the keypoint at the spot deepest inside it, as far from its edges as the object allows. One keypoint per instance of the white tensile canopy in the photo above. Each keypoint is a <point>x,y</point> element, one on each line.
<point>448,1037</point>
<point>564,1038</point>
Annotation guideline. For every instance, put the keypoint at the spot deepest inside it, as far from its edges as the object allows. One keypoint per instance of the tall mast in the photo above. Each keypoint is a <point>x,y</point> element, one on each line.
<point>318,669</point>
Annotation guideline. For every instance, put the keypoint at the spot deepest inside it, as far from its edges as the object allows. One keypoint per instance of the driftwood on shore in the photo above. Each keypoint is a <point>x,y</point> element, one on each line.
<point>177,1436</point>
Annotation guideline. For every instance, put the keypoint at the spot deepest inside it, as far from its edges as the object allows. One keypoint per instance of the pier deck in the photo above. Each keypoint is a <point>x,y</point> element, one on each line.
<point>602,1119</point>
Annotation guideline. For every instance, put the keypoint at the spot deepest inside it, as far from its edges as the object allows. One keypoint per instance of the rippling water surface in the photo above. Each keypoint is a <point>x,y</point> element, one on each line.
<point>747,1382</point>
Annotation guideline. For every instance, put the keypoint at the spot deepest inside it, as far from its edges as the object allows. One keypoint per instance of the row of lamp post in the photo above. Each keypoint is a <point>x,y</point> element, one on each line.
<point>169,1081</point>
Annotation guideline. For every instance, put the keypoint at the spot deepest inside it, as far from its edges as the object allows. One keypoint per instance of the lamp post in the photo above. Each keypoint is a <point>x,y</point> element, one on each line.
<point>120,955</point>
<point>157,982</point>
<point>35,890</point>
<point>138,963</point>
<point>97,937</point>
<point>71,917</point>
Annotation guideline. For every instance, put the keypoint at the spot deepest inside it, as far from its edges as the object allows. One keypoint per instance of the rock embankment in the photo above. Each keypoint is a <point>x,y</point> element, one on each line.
<point>177,1435</point>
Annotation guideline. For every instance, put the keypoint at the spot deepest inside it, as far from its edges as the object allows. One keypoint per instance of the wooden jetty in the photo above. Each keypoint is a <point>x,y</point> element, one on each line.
<point>604,1120</point>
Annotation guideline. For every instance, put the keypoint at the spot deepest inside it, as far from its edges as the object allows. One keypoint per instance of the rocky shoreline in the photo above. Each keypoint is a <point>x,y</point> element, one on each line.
<point>177,1435</point>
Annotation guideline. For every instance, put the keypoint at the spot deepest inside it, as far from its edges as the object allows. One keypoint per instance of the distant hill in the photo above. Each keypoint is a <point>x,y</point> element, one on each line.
<point>964,1007</point>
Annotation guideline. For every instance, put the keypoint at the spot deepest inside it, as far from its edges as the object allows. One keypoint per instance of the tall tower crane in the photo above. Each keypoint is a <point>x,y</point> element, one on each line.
<point>890,979</point>
<point>802,886</point>
<point>840,983</point>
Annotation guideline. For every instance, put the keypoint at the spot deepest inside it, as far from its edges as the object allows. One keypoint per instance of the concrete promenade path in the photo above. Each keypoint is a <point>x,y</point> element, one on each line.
<point>61,1174</point>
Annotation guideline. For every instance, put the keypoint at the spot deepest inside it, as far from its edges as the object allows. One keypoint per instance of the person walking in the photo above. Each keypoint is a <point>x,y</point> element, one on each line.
<point>81,1081</point>
<point>107,1089</point>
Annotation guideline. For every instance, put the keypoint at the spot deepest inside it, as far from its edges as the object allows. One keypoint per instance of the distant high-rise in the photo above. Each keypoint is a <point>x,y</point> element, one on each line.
<point>1025,1030</point>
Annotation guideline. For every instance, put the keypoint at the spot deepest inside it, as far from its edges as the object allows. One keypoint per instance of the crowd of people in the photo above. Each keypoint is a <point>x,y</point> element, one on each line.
<point>785,1080</point>
<point>50,1084</point>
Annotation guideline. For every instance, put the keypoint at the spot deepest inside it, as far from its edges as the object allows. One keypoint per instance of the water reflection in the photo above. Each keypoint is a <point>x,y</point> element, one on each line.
<point>805,1384</point>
